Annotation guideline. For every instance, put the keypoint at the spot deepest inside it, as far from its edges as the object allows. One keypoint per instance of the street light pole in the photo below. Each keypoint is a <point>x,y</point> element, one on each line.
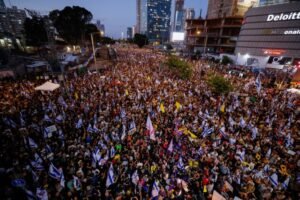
<point>94,55</point>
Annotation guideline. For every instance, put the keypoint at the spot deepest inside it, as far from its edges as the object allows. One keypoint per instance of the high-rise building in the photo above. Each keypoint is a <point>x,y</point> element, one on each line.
<point>158,20</point>
<point>129,33</point>
<point>2,4</point>
<point>100,27</point>
<point>142,15</point>
<point>190,13</point>
<point>273,2</point>
<point>12,21</point>
<point>222,8</point>
<point>179,15</point>
<point>153,19</point>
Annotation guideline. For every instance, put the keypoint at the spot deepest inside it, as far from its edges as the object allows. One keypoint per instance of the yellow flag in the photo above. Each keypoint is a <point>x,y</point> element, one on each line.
<point>126,92</point>
<point>178,105</point>
<point>192,135</point>
<point>204,189</point>
<point>222,109</point>
<point>76,95</point>
<point>162,108</point>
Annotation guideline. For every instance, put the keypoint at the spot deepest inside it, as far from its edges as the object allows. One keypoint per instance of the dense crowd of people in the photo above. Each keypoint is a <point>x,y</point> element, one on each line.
<point>139,132</point>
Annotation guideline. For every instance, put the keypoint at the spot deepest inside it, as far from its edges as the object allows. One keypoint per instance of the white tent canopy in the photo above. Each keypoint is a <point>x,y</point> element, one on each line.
<point>48,86</point>
<point>294,90</point>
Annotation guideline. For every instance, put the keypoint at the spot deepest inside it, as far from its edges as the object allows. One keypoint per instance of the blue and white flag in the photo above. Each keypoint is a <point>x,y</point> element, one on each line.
<point>9,122</point>
<point>110,176</point>
<point>274,179</point>
<point>37,166</point>
<point>254,132</point>
<point>76,183</point>
<point>132,128</point>
<point>242,123</point>
<point>155,190</point>
<point>90,129</point>
<point>79,123</point>
<point>207,131</point>
<point>47,118</point>
<point>41,194</point>
<point>267,168</point>
<point>59,119</point>
<point>180,164</point>
<point>123,113</point>
<point>222,132</point>
<point>171,146</point>
<point>54,172</point>
<point>123,132</point>
<point>258,84</point>
<point>95,129</point>
<point>285,184</point>
<point>135,178</point>
<point>30,195</point>
<point>62,179</point>
<point>31,143</point>
<point>112,152</point>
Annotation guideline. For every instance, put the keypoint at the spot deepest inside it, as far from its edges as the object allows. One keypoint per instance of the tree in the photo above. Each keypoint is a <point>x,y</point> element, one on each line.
<point>71,23</point>
<point>35,32</point>
<point>89,29</point>
<point>226,60</point>
<point>180,67</point>
<point>219,84</point>
<point>4,56</point>
<point>140,39</point>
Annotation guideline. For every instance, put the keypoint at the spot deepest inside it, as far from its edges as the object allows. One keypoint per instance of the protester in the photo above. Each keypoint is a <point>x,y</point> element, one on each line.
<point>139,132</point>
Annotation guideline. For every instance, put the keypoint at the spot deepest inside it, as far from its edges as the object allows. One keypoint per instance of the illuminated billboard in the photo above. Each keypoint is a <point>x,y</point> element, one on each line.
<point>177,36</point>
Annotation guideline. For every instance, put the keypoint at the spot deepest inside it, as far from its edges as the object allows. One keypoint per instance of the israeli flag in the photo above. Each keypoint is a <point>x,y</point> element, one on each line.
<point>155,190</point>
<point>30,195</point>
<point>48,149</point>
<point>132,127</point>
<point>123,113</point>
<point>112,152</point>
<point>79,123</point>
<point>90,129</point>
<point>171,146</point>
<point>267,168</point>
<point>222,132</point>
<point>242,123</point>
<point>31,143</point>
<point>135,178</point>
<point>62,179</point>
<point>180,164</point>
<point>41,194</point>
<point>59,119</point>
<point>47,118</point>
<point>37,166</point>
<point>123,132</point>
<point>274,179</point>
<point>110,176</point>
<point>254,133</point>
<point>285,184</point>
<point>76,183</point>
<point>95,129</point>
<point>54,172</point>
<point>207,132</point>
<point>258,84</point>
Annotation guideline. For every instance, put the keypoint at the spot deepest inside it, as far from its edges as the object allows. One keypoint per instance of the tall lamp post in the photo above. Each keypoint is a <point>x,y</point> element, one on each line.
<point>92,40</point>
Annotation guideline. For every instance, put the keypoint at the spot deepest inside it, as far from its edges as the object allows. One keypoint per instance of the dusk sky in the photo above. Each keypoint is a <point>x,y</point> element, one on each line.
<point>117,15</point>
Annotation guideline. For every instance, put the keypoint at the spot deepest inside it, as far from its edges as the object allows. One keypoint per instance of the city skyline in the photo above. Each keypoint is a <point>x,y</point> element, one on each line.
<point>115,24</point>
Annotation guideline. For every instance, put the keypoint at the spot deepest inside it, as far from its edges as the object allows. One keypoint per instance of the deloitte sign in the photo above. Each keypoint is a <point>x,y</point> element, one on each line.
<point>284,17</point>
